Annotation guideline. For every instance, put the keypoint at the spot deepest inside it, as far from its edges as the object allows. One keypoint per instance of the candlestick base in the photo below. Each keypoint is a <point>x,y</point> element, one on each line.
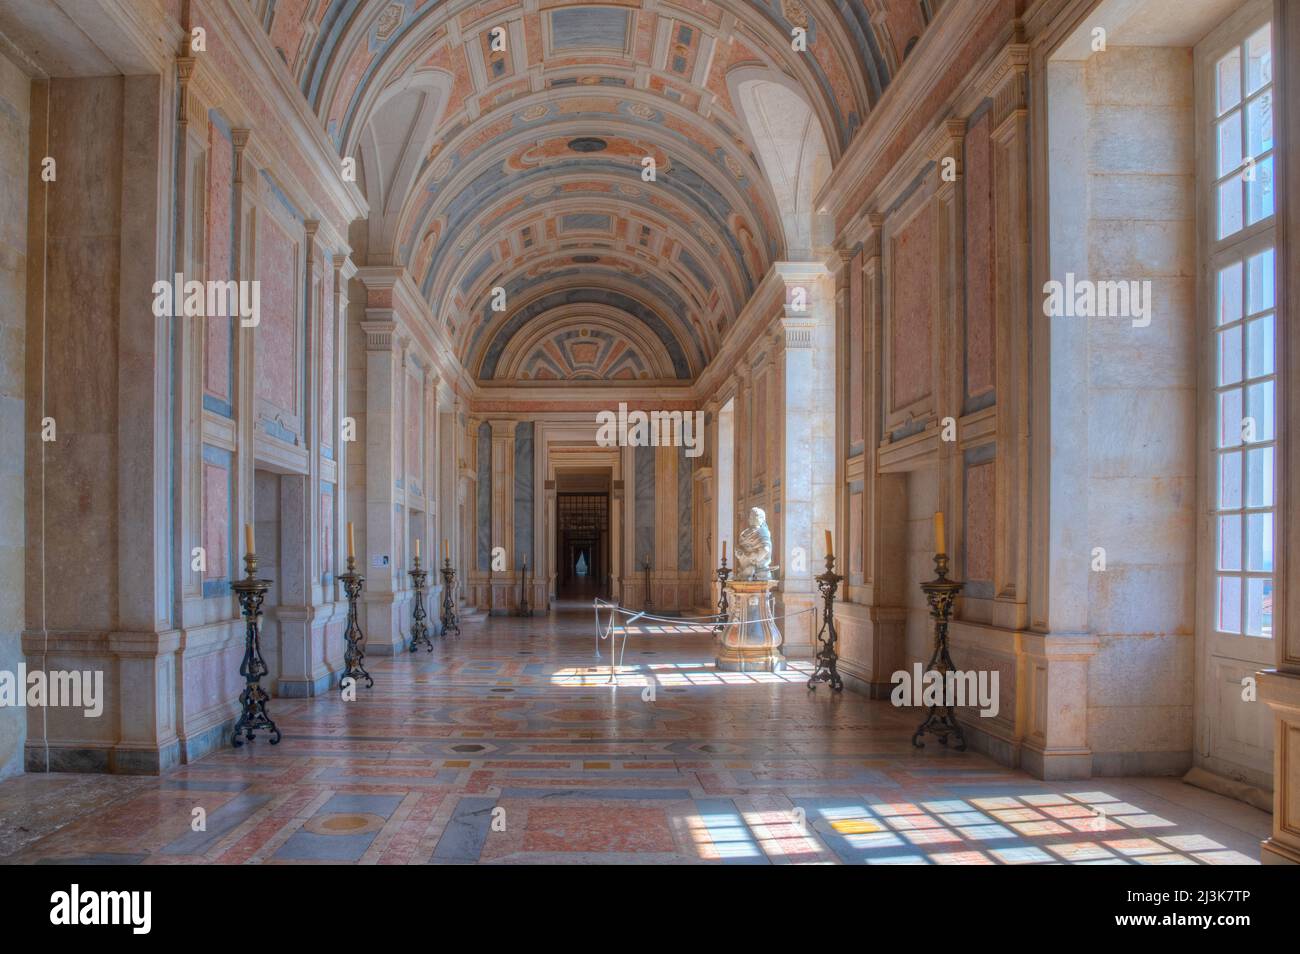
<point>724,603</point>
<point>419,628</point>
<point>353,653</point>
<point>827,663</point>
<point>450,618</point>
<point>250,592</point>
<point>941,720</point>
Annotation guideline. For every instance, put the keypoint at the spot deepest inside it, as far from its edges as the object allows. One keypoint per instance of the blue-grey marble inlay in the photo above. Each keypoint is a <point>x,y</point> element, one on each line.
<point>644,540</point>
<point>524,494</point>
<point>483,500</point>
<point>685,508</point>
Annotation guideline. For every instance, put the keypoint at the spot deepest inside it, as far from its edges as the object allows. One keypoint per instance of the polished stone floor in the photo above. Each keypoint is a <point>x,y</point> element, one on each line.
<point>510,745</point>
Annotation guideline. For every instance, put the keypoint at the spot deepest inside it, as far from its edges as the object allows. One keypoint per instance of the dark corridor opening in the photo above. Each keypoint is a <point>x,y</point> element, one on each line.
<point>583,539</point>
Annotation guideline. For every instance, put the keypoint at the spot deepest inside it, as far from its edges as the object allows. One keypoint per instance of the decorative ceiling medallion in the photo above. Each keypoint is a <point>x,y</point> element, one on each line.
<point>588,144</point>
<point>794,12</point>
<point>733,165</point>
<point>389,21</point>
<point>533,113</point>
<point>642,111</point>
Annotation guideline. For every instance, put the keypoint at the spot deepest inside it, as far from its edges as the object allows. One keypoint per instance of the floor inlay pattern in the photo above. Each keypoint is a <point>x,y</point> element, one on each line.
<point>508,745</point>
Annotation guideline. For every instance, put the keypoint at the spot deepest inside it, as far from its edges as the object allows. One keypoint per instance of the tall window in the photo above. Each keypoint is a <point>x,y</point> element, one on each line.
<point>1242,259</point>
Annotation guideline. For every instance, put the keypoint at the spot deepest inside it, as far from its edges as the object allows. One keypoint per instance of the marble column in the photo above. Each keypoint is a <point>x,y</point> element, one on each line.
<point>375,544</point>
<point>807,418</point>
<point>503,512</point>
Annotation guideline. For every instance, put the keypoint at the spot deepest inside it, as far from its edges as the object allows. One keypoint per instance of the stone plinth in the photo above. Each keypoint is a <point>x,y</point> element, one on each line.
<point>751,642</point>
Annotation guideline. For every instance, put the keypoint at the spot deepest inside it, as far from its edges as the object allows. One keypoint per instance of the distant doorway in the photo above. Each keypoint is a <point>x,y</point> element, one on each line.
<point>582,558</point>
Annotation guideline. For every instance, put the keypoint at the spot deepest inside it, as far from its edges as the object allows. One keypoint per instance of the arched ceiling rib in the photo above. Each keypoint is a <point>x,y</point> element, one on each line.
<point>502,146</point>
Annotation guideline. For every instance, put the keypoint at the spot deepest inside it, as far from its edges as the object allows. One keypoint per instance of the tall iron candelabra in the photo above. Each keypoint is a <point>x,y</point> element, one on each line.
<point>419,628</point>
<point>250,592</point>
<point>827,663</point>
<point>450,619</point>
<point>649,603</point>
<point>724,603</point>
<point>941,594</point>
<point>353,583</point>
<point>524,608</point>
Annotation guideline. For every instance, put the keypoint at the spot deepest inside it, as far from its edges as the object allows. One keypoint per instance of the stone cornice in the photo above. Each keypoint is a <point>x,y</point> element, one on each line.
<point>927,66</point>
<point>238,28</point>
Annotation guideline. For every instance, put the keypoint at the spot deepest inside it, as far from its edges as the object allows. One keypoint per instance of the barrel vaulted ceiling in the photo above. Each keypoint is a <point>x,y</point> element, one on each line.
<point>518,165</point>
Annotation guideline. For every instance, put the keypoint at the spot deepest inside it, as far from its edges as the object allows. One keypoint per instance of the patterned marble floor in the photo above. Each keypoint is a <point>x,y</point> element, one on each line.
<point>508,745</point>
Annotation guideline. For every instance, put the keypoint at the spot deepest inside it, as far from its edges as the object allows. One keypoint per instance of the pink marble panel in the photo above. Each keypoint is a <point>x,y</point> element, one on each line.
<point>979,261</point>
<point>414,421</point>
<point>219,208</point>
<point>913,306</point>
<point>855,537</point>
<point>216,519</point>
<point>275,338</point>
<point>327,533</point>
<point>327,355</point>
<point>980,503</point>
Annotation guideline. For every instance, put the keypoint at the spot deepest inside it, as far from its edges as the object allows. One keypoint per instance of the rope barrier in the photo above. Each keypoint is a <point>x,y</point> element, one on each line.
<point>634,616</point>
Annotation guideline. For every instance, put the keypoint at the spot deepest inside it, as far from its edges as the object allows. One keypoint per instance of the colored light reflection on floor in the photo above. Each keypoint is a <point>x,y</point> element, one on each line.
<point>518,721</point>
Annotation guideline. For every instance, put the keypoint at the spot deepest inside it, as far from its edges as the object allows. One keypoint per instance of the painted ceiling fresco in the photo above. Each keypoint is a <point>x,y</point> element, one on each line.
<point>503,146</point>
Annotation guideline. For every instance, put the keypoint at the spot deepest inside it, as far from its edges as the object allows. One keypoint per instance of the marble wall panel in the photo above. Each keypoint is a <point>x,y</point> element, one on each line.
<point>980,262</point>
<point>523,494</point>
<point>643,546</point>
<point>913,289</point>
<point>276,339</point>
<point>219,242</point>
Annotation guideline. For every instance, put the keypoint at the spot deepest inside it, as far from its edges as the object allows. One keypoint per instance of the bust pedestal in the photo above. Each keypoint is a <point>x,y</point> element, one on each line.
<point>751,641</point>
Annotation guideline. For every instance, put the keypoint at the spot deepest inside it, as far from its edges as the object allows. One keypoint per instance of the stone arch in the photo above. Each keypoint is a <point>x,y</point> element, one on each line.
<point>791,146</point>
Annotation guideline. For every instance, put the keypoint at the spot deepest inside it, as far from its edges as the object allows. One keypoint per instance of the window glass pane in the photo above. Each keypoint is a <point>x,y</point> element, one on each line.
<point>1228,80</point>
<point>1260,282</point>
<point>1259,409</point>
<point>1259,125</point>
<point>1259,59</point>
<point>1229,143</point>
<point>1259,477</point>
<point>1230,481</point>
<point>1259,607</point>
<point>1259,192</point>
<point>1229,615</point>
<point>1230,542</point>
<point>1230,293</point>
<point>1259,347</point>
<point>1230,418</point>
<point>1230,210</point>
<point>1230,355</point>
<point>1259,542</point>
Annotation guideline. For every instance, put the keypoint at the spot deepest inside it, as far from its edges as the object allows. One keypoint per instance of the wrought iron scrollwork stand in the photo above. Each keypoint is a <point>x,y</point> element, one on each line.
<point>250,592</point>
<point>353,583</point>
<point>724,603</point>
<point>524,608</point>
<point>450,618</point>
<point>941,593</point>
<point>827,663</point>
<point>419,628</point>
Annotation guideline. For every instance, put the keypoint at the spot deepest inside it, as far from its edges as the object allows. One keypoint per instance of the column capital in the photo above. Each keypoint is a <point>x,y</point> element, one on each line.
<point>796,330</point>
<point>503,428</point>
<point>379,334</point>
